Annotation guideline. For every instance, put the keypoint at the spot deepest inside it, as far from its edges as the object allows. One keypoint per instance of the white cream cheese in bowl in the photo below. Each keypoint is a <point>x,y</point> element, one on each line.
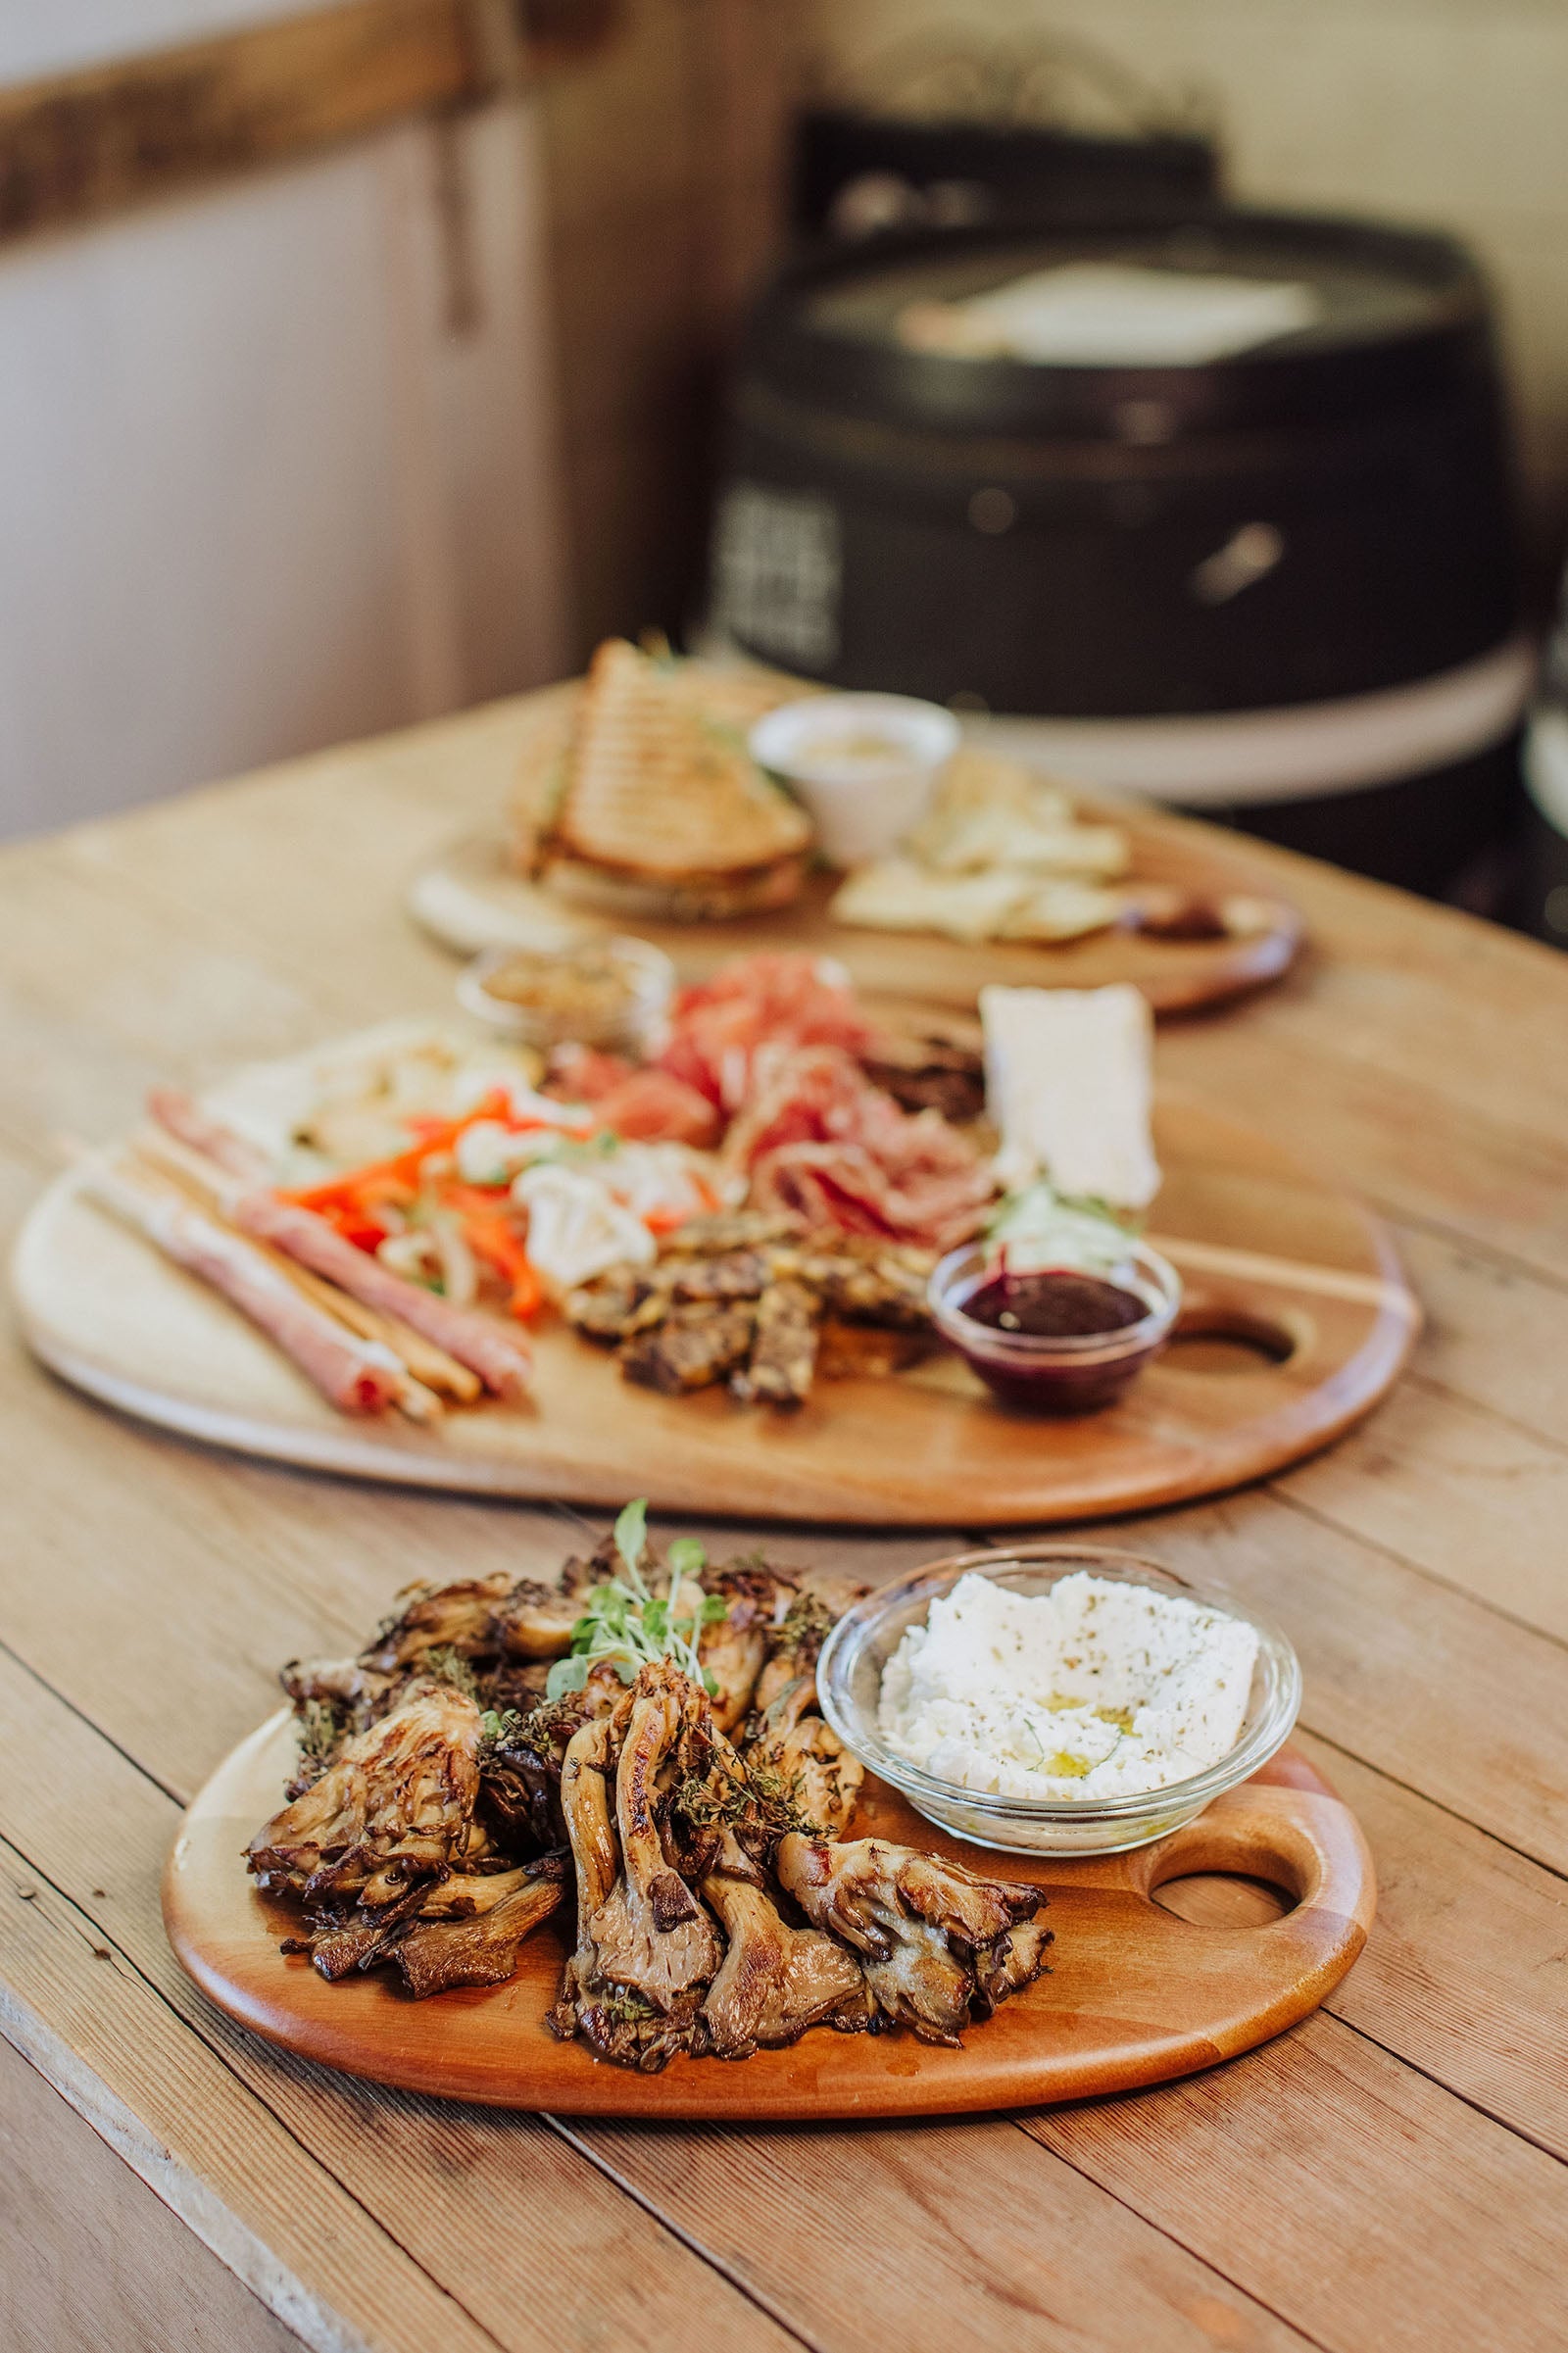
<point>1097,1689</point>
<point>1068,1700</point>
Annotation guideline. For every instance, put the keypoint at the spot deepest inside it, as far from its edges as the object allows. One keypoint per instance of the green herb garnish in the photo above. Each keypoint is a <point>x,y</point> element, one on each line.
<point>629,1625</point>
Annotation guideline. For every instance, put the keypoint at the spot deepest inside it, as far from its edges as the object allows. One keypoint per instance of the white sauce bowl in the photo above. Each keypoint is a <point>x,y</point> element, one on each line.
<point>864,766</point>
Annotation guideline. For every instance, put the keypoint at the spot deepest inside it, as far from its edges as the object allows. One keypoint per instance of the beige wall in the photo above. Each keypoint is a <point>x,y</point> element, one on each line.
<point>1448,112</point>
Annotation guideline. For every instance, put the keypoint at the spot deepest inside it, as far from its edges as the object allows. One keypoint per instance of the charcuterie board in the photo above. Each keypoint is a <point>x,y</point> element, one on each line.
<point>1137,1993</point>
<point>471,898</point>
<point>1296,1321</point>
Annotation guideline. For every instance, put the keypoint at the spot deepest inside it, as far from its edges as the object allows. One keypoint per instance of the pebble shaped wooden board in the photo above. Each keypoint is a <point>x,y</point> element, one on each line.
<point>1270,1252</point>
<point>472,898</point>
<point>1135,1995</point>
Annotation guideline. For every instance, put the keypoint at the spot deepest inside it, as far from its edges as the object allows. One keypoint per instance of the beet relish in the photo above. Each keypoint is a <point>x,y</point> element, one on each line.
<point>1055,1303</point>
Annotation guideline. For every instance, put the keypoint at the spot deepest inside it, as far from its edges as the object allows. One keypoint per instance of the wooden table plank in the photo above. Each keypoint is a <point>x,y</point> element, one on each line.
<point>109,2264</point>
<point>1466,1968</point>
<point>1360,2202</point>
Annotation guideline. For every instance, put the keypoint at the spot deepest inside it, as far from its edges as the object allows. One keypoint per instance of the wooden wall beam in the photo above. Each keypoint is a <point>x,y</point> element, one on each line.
<point>78,146</point>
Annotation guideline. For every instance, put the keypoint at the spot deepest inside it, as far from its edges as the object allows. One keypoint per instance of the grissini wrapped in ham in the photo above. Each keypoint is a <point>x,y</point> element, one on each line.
<point>503,1365</point>
<point>357,1376</point>
<point>502,1361</point>
<point>184,1120</point>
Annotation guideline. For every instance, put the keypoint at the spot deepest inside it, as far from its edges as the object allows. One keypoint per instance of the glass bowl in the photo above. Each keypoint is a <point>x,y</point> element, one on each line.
<point>849,1680</point>
<point>1076,1373</point>
<point>646,974</point>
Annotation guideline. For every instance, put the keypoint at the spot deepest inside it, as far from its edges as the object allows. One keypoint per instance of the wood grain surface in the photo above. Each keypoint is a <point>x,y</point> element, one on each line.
<point>1391,2176</point>
<point>470,898</point>
<point>78,146</point>
<point>1266,1246</point>
<point>1136,1993</point>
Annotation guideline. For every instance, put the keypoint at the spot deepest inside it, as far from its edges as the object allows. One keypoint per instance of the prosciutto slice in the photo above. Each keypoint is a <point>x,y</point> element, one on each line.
<point>821,1141</point>
<point>357,1376</point>
<point>753,1003</point>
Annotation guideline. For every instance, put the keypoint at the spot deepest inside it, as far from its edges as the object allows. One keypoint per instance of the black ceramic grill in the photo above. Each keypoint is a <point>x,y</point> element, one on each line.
<point>1321,517</point>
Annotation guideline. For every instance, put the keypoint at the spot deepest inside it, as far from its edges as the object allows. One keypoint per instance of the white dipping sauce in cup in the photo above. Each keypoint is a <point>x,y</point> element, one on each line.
<point>863,764</point>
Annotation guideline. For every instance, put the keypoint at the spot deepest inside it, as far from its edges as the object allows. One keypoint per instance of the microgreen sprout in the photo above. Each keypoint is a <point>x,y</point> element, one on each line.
<point>629,1625</point>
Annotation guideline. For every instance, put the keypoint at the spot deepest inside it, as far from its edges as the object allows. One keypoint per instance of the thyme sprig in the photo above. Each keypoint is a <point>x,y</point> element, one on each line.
<point>631,1624</point>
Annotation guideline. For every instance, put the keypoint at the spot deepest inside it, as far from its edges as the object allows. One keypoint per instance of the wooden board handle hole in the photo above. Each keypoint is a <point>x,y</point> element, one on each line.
<point>1215,1337</point>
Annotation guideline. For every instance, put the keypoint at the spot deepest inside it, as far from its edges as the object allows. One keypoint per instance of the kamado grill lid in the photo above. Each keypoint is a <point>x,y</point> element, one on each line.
<point>1224,322</point>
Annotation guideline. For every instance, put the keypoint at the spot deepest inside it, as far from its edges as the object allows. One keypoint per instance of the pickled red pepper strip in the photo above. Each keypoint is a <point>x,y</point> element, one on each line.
<point>358,1376</point>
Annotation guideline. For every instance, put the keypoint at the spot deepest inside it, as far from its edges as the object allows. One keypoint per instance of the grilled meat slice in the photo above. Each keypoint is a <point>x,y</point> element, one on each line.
<point>851,1351</point>
<point>931,1934</point>
<point>783,1357</point>
<point>774,1980</point>
<point>730,1230</point>
<point>480,1948</point>
<point>929,1073</point>
<point>820,1776</point>
<point>651,1933</point>
<point>692,1349</point>
<point>609,1307</point>
<point>396,1805</point>
<point>875,1282</point>
<point>731,1275</point>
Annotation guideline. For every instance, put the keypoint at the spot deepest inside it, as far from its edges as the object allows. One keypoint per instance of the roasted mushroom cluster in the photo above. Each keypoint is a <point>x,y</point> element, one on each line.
<point>641,1744</point>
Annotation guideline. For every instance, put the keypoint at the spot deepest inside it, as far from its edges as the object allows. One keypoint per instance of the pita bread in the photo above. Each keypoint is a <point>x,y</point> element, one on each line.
<point>659,786</point>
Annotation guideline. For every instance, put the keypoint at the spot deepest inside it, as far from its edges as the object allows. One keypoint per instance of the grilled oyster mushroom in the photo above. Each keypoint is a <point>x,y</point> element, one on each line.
<point>396,1805</point>
<point>346,1685</point>
<point>932,1936</point>
<point>447,1617</point>
<point>795,1648</point>
<point>616,2024</point>
<point>774,1980</point>
<point>651,1933</point>
<point>823,1778</point>
<point>734,1647</point>
<point>535,1621</point>
<point>481,1948</point>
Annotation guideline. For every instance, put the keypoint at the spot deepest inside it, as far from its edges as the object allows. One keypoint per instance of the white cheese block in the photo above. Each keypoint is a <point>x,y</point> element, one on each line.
<point>1069,1082</point>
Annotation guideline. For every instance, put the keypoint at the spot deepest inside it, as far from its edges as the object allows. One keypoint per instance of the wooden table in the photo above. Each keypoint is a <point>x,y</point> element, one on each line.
<point>1390,2176</point>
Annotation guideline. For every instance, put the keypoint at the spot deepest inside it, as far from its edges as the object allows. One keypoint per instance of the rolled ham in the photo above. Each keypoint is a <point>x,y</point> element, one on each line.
<point>502,1361</point>
<point>357,1376</point>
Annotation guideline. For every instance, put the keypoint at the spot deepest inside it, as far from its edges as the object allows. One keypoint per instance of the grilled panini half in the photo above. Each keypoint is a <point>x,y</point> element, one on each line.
<point>659,788</point>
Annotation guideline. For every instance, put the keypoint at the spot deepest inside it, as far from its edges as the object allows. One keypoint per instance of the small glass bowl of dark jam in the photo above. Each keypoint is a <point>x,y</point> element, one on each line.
<point>1054,1340</point>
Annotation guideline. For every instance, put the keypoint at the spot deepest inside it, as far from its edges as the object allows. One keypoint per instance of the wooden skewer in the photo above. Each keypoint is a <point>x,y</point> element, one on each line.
<point>1286,1274</point>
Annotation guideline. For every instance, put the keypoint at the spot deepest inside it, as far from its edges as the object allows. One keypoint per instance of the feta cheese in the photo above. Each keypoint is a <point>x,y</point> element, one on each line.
<point>1097,1689</point>
<point>1069,1081</point>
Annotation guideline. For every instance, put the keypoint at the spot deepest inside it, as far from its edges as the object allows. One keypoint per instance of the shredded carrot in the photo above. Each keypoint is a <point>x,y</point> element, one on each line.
<point>402,1167</point>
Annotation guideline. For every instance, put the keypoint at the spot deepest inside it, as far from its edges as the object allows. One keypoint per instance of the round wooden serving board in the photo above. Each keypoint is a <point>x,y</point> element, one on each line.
<point>1135,1995</point>
<point>1269,1250</point>
<point>471,898</point>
